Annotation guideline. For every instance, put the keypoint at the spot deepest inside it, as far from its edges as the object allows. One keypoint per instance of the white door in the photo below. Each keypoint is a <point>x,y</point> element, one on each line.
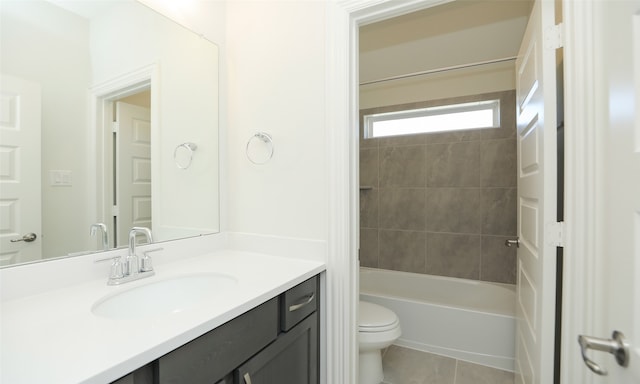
<point>618,25</point>
<point>20,204</point>
<point>133,169</point>
<point>537,200</point>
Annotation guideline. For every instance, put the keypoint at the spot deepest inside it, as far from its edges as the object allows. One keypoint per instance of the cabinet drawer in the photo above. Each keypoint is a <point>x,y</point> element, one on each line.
<point>298,303</point>
<point>215,354</point>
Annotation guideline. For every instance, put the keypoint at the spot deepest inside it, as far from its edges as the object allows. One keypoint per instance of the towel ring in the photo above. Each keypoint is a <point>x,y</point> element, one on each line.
<point>265,138</point>
<point>191,147</point>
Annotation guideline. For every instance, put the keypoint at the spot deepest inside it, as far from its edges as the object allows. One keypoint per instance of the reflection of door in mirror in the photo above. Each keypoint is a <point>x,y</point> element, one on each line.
<point>132,169</point>
<point>124,160</point>
<point>20,121</point>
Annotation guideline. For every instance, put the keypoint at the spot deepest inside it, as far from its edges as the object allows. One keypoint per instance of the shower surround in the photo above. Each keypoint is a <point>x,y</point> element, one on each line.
<point>441,203</point>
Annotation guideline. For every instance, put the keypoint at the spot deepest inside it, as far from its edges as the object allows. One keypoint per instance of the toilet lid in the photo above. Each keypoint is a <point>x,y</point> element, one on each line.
<point>376,318</point>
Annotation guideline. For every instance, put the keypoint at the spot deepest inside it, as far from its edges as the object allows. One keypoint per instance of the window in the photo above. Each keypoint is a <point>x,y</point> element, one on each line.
<point>453,117</point>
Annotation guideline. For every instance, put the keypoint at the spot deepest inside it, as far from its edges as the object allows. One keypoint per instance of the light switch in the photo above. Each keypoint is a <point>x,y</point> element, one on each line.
<point>60,178</point>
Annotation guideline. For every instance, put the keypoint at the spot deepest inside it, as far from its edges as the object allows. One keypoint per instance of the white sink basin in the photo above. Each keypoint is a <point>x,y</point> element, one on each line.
<point>171,295</point>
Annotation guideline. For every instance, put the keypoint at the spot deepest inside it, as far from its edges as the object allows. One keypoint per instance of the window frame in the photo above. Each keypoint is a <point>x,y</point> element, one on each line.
<point>493,105</point>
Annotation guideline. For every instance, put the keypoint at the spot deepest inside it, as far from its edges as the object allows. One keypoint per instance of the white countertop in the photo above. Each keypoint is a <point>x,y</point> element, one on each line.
<point>53,337</point>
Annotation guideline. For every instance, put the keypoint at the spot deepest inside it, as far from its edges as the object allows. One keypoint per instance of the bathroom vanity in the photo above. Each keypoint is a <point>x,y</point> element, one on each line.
<point>276,342</point>
<point>261,325</point>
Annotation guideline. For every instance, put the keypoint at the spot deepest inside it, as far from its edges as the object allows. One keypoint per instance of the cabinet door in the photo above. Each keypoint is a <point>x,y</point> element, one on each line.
<point>291,359</point>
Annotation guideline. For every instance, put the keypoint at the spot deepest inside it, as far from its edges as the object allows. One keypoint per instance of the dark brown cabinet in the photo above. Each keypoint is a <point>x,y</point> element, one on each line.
<point>291,359</point>
<point>213,355</point>
<point>273,343</point>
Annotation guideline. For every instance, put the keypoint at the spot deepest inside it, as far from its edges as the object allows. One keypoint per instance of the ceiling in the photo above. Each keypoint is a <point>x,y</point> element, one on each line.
<point>459,32</point>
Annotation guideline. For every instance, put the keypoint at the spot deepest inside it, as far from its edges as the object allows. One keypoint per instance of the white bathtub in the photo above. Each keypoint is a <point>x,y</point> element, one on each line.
<point>464,319</point>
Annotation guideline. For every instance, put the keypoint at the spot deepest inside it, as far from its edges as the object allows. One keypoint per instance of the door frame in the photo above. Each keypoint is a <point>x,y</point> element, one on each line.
<point>581,301</point>
<point>101,99</point>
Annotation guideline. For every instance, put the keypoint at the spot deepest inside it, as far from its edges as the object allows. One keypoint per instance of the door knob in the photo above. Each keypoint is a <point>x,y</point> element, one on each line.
<point>617,346</point>
<point>511,242</point>
<point>29,237</point>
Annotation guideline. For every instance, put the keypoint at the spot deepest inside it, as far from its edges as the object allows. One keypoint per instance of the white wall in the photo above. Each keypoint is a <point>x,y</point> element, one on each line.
<point>275,58</point>
<point>46,44</point>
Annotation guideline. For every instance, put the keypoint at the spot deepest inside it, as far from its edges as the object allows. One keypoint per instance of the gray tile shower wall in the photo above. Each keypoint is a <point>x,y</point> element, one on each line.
<point>441,203</point>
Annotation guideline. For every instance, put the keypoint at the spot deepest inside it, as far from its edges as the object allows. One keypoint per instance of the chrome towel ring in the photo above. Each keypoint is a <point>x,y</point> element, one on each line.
<point>190,148</point>
<point>257,155</point>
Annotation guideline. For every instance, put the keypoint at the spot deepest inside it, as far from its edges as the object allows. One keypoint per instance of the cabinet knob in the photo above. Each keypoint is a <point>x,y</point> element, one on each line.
<point>247,378</point>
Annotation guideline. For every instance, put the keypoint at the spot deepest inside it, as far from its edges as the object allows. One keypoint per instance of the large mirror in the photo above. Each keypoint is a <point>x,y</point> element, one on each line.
<point>108,120</point>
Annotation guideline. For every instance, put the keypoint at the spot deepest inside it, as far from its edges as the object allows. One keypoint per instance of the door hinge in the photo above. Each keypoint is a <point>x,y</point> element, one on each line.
<point>555,234</point>
<point>115,211</point>
<point>115,127</point>
<point>554,38</point>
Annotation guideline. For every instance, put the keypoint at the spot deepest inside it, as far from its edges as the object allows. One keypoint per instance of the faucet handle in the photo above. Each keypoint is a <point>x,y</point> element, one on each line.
<point>117,269</point>
<point>146,264</point>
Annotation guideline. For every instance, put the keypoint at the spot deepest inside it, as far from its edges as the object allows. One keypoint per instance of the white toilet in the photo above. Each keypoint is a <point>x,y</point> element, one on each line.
<point>378,328</point>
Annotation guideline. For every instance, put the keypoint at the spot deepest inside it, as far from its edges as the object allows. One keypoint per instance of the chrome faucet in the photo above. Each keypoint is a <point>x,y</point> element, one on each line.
<point>132,265</point>
<point>125,269</point>
<point>105,235</point>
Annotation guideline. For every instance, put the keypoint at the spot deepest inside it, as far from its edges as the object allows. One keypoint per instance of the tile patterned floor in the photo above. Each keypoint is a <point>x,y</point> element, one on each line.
<point>408,366</point>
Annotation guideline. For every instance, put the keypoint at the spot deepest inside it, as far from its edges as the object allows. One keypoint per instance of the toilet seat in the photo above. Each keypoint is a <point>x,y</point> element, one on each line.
<point>375,318</point>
